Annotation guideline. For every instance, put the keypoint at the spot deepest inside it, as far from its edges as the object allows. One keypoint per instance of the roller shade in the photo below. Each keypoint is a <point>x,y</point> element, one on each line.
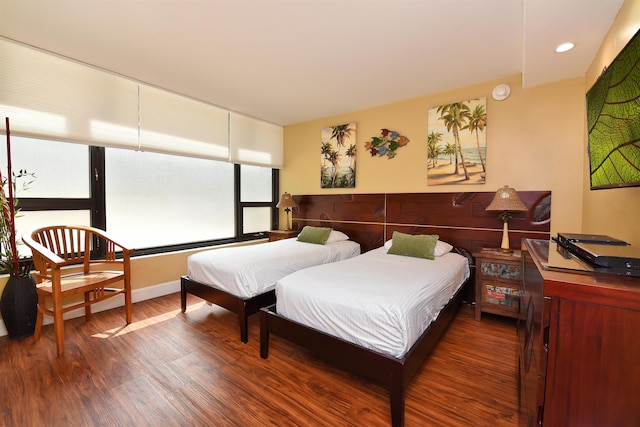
<point>171,123</point>
<point>47,96</point>
<point>255,142</point>
<point>50,97</point>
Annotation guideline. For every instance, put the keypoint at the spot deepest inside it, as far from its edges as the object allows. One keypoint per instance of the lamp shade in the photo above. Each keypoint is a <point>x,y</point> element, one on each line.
<point>286,201</point>
<point>506,200</point>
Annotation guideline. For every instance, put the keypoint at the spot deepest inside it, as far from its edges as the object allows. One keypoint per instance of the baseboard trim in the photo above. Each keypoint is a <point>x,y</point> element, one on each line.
<point>137,295</point>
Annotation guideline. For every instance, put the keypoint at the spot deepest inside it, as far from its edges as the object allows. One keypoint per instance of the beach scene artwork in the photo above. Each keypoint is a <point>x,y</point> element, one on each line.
<point>457,143</point>
<point>338,156</point>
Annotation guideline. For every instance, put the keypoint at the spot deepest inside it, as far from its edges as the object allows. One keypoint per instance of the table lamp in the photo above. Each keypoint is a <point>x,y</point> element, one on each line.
<point>287,202</point>
<point>506,200</point>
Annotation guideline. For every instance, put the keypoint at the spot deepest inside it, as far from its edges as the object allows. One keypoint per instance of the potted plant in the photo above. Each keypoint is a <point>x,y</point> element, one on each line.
<point>19,300</point>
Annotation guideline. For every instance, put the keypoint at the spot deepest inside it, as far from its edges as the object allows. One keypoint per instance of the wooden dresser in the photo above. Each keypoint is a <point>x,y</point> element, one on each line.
<point>578,343</point>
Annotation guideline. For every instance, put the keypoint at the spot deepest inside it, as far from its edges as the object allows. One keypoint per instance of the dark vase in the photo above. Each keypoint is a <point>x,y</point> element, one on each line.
<point>19,306</point>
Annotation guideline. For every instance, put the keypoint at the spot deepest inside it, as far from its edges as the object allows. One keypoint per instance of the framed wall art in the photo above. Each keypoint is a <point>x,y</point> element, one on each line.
<point>338,156</point>
<point>613,117</point>
<point>457,143</point>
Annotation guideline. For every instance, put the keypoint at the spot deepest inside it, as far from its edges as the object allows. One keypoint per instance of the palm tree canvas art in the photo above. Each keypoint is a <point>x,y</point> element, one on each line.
<point>338,156</point>
<point>457,143</point>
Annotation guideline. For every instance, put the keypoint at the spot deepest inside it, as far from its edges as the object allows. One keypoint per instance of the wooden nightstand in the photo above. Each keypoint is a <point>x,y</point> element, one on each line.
<point>281,234</point>
<point>498,282</point>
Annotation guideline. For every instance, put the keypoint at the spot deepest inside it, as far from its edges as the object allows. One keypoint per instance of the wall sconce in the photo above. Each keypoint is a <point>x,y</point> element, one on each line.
<point>506,200</point>
<point>287,202</point>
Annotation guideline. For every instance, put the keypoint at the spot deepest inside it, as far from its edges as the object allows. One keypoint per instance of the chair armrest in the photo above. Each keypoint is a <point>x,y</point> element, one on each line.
<point>41,250</point>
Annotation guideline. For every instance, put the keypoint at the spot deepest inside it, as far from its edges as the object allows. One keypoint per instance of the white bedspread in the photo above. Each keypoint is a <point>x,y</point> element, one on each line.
<point>246,271</point>
<point>378,301</point>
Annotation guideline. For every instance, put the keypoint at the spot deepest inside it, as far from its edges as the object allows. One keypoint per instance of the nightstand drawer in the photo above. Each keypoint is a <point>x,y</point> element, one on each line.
<point>501,270</point>
<point>498,293</point>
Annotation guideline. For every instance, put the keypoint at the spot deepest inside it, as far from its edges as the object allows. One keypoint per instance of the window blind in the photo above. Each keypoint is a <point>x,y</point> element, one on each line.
<point>255,142</point>
<point>174,124</point>
<point>47,96</point>
<point>50,97</point>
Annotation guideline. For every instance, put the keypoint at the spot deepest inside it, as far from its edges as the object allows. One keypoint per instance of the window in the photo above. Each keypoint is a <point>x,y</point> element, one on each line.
<point>50,162</point>
<point>154,202</point>
<point>53,163</point>
<point>176,199</point>
<point>256,198</point>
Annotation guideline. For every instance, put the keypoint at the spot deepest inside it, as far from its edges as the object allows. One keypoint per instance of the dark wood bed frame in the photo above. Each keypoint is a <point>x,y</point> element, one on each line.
<point>370,219</point>
<point>392,373</point>
<point>243,307</point>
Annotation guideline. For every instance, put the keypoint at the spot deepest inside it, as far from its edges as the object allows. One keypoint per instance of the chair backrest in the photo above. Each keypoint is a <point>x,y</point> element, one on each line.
<point>61,245</point>
<point>69,243</point>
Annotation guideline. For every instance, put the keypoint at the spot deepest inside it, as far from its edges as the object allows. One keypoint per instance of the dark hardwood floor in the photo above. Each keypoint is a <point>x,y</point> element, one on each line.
<point>173,369</point>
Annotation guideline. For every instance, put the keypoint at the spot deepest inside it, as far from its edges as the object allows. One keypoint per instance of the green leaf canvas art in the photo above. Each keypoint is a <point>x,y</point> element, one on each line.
<point>613,117</point>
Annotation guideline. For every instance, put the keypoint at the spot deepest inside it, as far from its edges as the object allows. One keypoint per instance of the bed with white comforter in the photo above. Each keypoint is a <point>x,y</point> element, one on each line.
<point>379,301</point>
<point>242,278</point>
<point>246,271</point>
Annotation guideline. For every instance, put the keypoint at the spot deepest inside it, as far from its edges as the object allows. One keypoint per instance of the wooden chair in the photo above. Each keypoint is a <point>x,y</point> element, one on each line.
<point>57,247</point>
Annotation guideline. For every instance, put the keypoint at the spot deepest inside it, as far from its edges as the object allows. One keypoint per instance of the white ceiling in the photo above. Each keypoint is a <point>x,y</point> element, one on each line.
<point>288,61</point>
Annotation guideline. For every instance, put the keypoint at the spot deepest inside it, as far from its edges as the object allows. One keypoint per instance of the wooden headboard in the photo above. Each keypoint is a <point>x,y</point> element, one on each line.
<point>458,218</point>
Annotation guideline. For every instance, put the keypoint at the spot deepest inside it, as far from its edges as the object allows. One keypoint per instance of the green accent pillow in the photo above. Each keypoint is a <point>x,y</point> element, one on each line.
<point>419,246</point>
<point>317,235</point>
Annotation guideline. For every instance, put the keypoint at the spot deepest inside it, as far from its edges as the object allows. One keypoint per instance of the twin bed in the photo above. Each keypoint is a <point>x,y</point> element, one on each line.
<point>378,301</point>
<point>242,279</point>
<point>378,315</point>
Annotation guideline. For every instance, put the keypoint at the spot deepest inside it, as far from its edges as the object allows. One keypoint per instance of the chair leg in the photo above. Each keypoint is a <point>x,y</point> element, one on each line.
<point>128,302</point>
<point>38,329</point>
<point>58,327</point>
<point>87,307</point>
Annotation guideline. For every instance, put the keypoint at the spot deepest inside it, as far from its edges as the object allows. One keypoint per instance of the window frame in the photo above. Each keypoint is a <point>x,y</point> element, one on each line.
<point>96,204</point>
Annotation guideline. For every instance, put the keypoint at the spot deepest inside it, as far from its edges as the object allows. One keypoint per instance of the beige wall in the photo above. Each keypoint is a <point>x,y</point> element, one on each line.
<point>535,141</point>
<point>613,211</point>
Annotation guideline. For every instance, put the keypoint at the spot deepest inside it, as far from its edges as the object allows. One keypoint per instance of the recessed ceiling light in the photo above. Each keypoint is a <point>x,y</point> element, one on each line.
<point>564,47</point>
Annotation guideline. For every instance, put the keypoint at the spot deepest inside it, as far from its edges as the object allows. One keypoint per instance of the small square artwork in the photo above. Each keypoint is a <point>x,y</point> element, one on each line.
<point>338,156</point>
<point>457,143</point>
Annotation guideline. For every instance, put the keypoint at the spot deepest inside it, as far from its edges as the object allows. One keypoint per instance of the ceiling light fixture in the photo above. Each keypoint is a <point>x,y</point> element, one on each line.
<point>564,47</point>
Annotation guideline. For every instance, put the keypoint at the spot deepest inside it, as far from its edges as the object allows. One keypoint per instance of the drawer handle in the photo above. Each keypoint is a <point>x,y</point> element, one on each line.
<point>546,338</point>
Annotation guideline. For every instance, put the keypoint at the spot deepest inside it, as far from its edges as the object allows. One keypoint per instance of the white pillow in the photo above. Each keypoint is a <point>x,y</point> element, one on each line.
<point>337,236</point>
<point>440,249</point>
